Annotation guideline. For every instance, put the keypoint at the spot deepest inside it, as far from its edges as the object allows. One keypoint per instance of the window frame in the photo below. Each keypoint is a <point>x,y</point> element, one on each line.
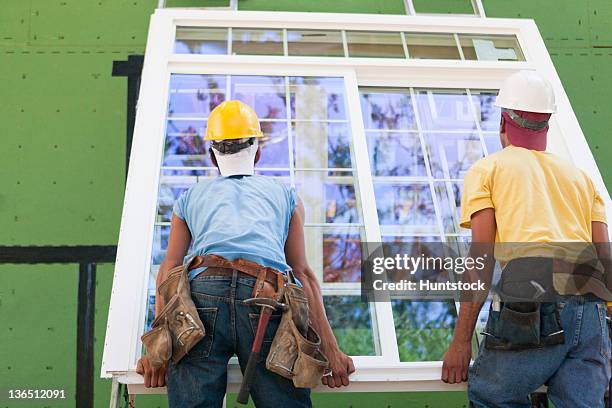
<point>127,309</point>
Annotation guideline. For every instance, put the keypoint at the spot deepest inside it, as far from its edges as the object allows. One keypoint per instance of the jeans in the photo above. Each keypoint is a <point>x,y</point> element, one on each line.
<point>576,372</point>
<point>200,378</point>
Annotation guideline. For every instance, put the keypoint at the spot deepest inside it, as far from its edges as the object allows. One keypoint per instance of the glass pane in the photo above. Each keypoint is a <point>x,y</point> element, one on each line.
<point>185,145</point>
<point>351,322</point>
<point>201,40</point>
<point>321,145</point>
<point>423,329</point>
<point>160,243</point>
<point>265,94</point>
<point>487,113</point>
<point>449,199</point>
<point>328,199</point>
<point>339,255</point>
<point>409,205</point>
<point>317,99</point>
<point>396,154</point>
<point>250,41</point>
<point>452,154</point>
<point>195,95</point>
<point>387,109</point>
<point>170,188</point>
<point>491,47</point>
<point>318,43</point>
<point>274,145</point>
<point>376,44</point>
<point>445,110</point>
<point>432,46</point>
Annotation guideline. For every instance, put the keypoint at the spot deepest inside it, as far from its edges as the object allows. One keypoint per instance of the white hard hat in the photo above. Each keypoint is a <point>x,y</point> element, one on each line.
<point>527,91</point>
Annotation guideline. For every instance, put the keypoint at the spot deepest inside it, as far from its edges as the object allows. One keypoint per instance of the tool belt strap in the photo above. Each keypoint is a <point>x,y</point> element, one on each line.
<point>261,273</point>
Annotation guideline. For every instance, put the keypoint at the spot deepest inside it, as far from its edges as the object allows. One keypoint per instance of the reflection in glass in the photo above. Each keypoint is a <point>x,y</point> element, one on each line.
<point>341,257</point>
<point>341,204</point>
<point>376,44</point>
<point>444,110</point>
<point>387,109</point>
<point>432,46</point>
<point>487,113</point>
<point>253,41</point>
<point>320,43</point>
<point>160,243</point>
<point>201,40</point>
<point>423,329</point>
<point>449,199</point>
<point>396,154</point>
<point>404,204</point>
<point>316,98</point>
<point>491,47</point>
<point>265,94</point>
<point>320,145</point>
<point>351,322</point>
<point>328,199</point>
<point>185,145</point>
<point>195,95</point>
<point>274,145</point>
<point>451,155</point>
<point>168,193</point>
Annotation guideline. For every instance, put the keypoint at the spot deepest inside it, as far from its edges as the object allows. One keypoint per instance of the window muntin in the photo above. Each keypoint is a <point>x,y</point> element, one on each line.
<point>346,43</point>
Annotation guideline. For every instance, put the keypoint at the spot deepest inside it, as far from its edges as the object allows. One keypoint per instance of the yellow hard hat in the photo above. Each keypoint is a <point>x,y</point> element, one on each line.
<point>232,120</point>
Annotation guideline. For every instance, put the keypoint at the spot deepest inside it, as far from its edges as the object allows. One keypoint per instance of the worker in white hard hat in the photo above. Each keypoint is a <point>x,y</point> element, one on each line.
<point>245,232</point>
<point>515,200</point>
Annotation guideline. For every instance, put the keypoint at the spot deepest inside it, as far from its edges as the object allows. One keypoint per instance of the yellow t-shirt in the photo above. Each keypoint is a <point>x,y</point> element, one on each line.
<point>537,197</point>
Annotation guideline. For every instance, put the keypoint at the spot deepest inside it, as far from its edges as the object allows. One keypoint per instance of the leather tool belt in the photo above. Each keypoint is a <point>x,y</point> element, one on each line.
<point>295,351</point>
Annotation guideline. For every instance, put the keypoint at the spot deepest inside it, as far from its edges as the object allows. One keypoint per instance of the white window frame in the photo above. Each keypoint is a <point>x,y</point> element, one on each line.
<point>130,284</point>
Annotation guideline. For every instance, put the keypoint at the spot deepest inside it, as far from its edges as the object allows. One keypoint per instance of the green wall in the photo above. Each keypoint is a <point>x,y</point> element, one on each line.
<point>63,145</point>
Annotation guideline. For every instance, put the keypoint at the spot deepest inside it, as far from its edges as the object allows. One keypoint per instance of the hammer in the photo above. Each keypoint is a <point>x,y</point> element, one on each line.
<point>268,305</point>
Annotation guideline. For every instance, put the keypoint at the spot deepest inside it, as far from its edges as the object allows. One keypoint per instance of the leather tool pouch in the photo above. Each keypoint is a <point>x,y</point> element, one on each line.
<point>178,327</point>
<point>295,351</point>
<point>522,323</point>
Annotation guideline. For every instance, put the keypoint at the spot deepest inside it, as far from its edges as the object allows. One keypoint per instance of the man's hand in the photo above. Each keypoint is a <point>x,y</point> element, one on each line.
<point>341,367</point>
<point>456,362</point>
<point>153,377</point>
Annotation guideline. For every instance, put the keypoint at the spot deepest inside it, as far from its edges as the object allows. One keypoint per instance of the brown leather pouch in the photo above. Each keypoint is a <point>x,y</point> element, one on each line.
<point>178,321</point>
<point>295,351</point>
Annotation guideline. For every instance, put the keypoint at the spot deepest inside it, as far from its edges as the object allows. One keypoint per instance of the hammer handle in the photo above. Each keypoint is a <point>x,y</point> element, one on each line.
<point>249,371</point>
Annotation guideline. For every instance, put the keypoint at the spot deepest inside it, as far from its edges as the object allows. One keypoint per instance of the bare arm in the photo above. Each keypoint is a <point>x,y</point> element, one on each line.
<point>457,358</point>
<point>602,243</point>
<point>178,244</point>
<point>295,252</point>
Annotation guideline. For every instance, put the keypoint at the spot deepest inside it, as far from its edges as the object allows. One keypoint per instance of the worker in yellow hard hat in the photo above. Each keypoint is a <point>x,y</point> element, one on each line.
<point>240,230</point>
<point>234,130</point>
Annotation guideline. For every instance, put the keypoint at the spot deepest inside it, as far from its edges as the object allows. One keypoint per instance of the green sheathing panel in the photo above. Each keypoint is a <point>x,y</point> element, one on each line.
<point>63,146</point>
<point>579,39</point>
<point>443,6</point>
<point>337,6</point>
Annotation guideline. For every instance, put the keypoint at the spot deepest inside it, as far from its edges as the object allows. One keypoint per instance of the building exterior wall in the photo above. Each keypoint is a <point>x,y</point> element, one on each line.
<point>63,153</point>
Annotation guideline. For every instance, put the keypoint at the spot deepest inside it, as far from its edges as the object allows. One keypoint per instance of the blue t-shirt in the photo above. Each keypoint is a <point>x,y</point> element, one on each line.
<point>238,217</point>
